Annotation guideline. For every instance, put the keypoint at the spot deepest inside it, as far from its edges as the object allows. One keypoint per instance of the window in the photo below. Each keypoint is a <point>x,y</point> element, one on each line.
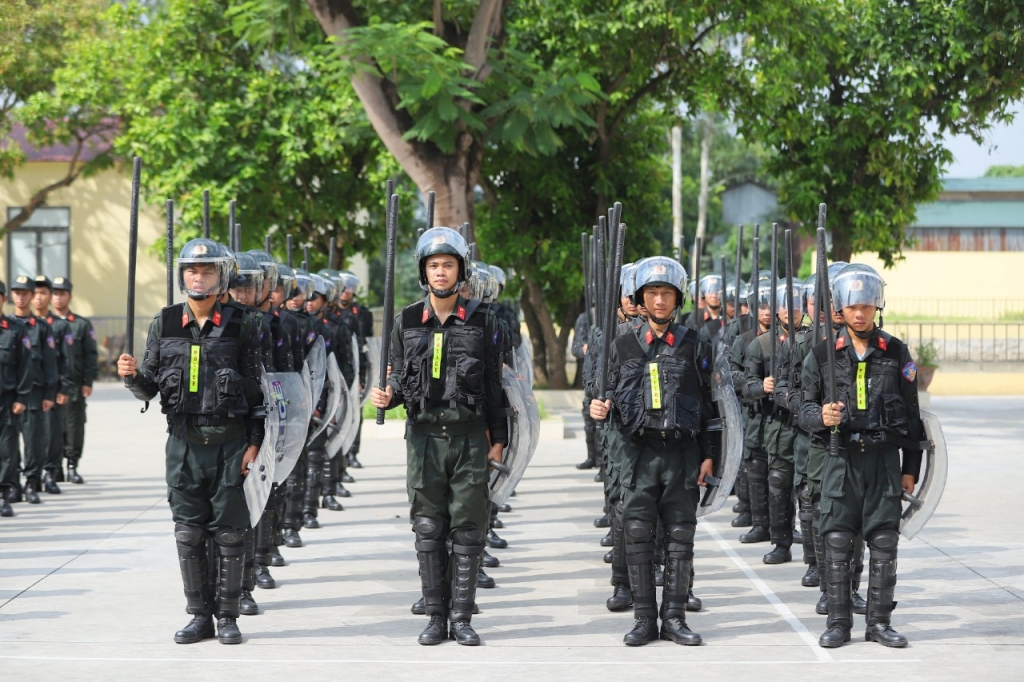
<point>41,246</point>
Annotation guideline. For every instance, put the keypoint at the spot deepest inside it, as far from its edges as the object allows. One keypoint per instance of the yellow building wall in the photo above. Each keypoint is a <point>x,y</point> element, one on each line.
<point>959,278</point>
<point>99,240</point>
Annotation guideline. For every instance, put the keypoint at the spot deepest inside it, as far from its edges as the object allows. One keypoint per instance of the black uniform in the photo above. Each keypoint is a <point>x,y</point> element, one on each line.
<point>584,335</point>
<point>15,386</point>
<point>661,390</point>
<point>46,381</point>
<point>861,487</point>
<point>448,375</point>
<point>208,382</point>
<point>64,339</point>
<point>81,348</point>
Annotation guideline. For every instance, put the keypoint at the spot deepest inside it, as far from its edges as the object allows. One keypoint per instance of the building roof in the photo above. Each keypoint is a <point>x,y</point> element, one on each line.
<point>983,185</point>
<point>971,214</point>
<point>94,146</point>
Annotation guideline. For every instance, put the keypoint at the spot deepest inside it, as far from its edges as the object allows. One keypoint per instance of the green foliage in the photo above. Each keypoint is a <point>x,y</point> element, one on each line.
<point>856,97</point>
<point>926,355</point>
<point>370,413</point>
<point>1005,172</point>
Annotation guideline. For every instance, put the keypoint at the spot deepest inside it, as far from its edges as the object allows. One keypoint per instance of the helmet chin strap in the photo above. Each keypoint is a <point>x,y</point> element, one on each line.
<point>661,320</point>
<point>444,293</point>
<point>864,335</point>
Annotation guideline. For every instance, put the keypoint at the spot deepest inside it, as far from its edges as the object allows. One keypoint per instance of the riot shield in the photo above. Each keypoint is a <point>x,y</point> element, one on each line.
<point>524,361</point>
<point>335,385</point>
<point>524,433</point>
<point>373,356</point>
<point>730,421</point>
<point>288,405</point>
<point>338,427</point>
<point>932,482</point>
<point>316,363</point>
<point>257,485</point>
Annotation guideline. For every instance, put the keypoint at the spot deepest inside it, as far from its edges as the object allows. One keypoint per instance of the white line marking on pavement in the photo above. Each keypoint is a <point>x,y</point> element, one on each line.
<point>770,595</point>
<point>416,661</point>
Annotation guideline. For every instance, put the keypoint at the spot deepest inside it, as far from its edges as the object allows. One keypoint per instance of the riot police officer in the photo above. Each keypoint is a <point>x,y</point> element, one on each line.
<point>15,394</point>
<point>84,364</point>
<point>203,359</point>
<point>660,386</point>
<point>54,419</point>
<point>446,370</point>
<point>347,300</point>
<point>45,387</point>
<point>876,412</point>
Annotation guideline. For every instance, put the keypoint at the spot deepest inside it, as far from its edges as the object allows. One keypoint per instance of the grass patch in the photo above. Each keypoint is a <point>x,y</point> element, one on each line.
<point>544,414</point>
<point>370,412</point>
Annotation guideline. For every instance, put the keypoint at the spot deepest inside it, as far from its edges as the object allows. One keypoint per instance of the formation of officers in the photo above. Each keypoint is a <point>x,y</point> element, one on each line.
<point>48,362</point>
<point>246,314</point>
<point>657,450</point>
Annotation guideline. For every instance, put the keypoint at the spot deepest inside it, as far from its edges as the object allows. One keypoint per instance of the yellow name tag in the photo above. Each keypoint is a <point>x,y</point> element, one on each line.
<point>193,371</point>
<point>652,369</point>
<point>862,390</point>
<point>435,366</point>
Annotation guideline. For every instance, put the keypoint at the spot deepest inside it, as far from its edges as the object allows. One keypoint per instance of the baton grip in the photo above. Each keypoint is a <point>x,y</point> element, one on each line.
<point>498,466</point>
<point>913,501</point>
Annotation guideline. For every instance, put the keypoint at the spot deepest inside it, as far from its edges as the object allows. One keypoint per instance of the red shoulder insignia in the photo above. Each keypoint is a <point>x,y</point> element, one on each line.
<point>277,313</point>
<point>3,324</point>
<point>882,343</point>
<point>462,313</point>
<point>71,317</point>
<point>670,338</point>
<point>49,319</point>
<point>782,338</point>
<point>707,316</point>
<point>840,342</point>
<point>184,319</point>
<point>426,315</point>
<point>355,309</point>
<point>216,319</point>
<point>31,321</point>
<point>649,337</point>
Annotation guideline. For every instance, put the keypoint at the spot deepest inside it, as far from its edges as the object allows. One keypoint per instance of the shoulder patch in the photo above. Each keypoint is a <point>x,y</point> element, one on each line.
<point>216,319</point>
<point>310,338</point>
<point>27,342</point>
<point>670,339</point>
<point>462,313</point>
<point>909,371</point>
<point>649,337</point>
<point>426,315</point>
<point>69,339</point>
<point>92,334</point>
<point>280,341</point>
<point>50,342</point>
<point>882,343</point>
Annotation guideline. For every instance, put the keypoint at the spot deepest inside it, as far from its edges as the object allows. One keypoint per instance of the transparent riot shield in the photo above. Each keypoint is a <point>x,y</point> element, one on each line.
<point>316,363</point>
<point>335,385</point>
<point>932,482</point>
<point>288,405</point>
<point>730,423</point>
<point>524,433</point>
<point>373,357</point>
<point>524,361</point>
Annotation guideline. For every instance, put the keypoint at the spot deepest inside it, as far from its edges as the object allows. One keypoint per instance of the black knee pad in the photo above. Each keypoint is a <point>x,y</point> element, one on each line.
<point>757,468</point>
<point>230,541</point>
<point>683,533</point>
<point>468,536</point>
<point>190,536</point>
<point>427,528</point>
<point>638,531</point>
<point>841,544</point>
<point>883,543</point>
<point>316,456</point>
<point>779,482</point>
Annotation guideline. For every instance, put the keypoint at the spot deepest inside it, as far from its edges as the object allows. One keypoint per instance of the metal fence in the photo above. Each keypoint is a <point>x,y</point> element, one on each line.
<point>954,308</point>
<point>964,341</point>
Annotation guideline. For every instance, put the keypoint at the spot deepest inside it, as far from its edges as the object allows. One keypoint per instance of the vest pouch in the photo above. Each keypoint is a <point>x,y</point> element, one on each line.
<point>686,415</point>
<point>465,381</point>
<point>630,396</point>
<point>230,393</point>
<point>892,414</point>
<point>169,379</point>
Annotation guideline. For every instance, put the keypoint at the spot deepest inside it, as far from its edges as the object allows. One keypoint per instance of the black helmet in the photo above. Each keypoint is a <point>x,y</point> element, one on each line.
<point>250,272</point>
<point>659,271</point>
<point>271,273</point>
<point>439,240</point>
<point>207,252</point>
<point>858,284</point>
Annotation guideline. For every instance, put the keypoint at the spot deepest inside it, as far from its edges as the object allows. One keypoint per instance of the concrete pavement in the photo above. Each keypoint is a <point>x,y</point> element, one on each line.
<point>90,588</point>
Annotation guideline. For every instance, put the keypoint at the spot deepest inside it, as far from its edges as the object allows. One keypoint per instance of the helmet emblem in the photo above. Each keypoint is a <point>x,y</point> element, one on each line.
<point>857,285</point>
<point>659,270</point>
<point>200,250</point>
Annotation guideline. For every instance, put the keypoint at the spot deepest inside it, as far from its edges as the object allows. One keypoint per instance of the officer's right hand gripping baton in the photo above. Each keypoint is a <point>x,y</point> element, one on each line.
<point>389,297</point>
<point>824,296</point>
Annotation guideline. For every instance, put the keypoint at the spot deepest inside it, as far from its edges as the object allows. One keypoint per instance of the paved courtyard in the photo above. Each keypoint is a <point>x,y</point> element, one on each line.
<point>90,588</point>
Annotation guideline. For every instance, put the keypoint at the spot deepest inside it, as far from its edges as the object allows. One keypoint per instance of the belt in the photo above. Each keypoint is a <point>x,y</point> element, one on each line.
<point>447,430</point>
<point>201,420</point>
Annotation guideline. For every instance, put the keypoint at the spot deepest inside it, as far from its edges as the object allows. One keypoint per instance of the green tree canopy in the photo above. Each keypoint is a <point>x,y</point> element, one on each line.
<point>1005,172</point>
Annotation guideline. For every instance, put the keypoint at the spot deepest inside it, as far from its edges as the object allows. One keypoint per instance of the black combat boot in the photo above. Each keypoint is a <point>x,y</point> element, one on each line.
<point>483,580</point>
<point>73,474</point>
<point>607,541</point>
<point>639,544</point>
<point>247,606</point>
<point>295,493</point>
<point>505,508</point>
<point>742,506</point>
<point>432,555</point>
<point>495,542</point>
<point>621,599</point>
<point>497,523</point>
<point>608,557</point>
<point>467,547</point>
<point>419,608</point>
<point>742,521</point>
<point>5,506</point>
<point>32,489</point>
<point>489,561</point>
<point>780,515</point>
<point>860,606</point>
<point>603,521</point>
<point>50,483</point>
<point>353,461</point>
<point>838,557</point>
<point>757,483</point>
<point>192,560</point>
<point>882,589</point>
<point>231,548</point>
<point>330,474</point>
<point>292,538</point>
<point>806,517</point>
<point>676,593</point>
<point>314,485</point>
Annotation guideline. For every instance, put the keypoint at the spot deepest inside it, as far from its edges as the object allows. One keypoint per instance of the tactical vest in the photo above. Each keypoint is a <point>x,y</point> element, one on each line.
<point>444,364</point>
<point>10,339</point>
<point>201,377</point>
<point>660,395</point>
<point>869,388</point>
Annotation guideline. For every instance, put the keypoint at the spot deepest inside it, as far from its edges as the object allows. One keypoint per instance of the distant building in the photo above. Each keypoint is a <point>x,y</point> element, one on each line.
<point>749,202</point>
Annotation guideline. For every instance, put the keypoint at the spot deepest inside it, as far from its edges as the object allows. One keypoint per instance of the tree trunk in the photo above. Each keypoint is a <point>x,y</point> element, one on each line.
<point>540,374</point>
<point>677,188</point>
<point>702,199</point>
<point>842,248</point>
<point>553,359</point>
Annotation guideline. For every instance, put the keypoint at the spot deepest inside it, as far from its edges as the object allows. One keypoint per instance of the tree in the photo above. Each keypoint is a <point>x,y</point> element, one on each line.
<point>856,97</point>
<point>33,38</point>
<point>1005,172</point>
<point>278,130</point>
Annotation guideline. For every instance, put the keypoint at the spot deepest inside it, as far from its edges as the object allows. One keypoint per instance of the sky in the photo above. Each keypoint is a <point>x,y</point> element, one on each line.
<point>1004,146</point>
